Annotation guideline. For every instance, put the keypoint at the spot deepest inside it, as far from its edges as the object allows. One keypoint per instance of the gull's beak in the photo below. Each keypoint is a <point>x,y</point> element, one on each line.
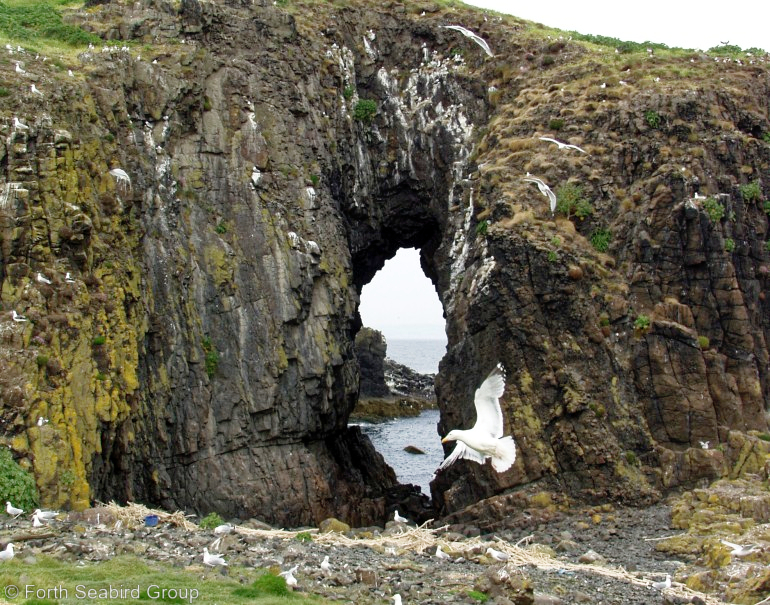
<point>444,440</point>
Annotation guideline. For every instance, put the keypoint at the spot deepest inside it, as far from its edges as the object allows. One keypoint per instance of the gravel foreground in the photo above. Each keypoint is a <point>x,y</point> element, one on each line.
<point>603,555</point>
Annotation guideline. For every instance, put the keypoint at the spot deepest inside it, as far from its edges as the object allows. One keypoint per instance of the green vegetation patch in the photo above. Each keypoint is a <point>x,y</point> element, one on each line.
<point>365,110</point>
<point>600,239</point>
<point>266,585</point>
<point>34,21</point>
<point>141,581</point>
<point>714,209</point>
<point>751,192</point>
<point>212,356</point>
<point>17,486</point>
<point>211,521</point>
<point>571,202</point>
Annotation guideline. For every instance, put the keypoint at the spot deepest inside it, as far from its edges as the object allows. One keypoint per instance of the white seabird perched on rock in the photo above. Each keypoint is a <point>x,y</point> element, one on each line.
<point>42,278</point>
<point>12,510</point>
<point>563,145</point>
<point>224,529</point>
<point>46,515</point>
<point>16,317</point>
<point>35,91</point>
<point>485,439</point>
<point>7,554</point>
<point>398,518</point>
<point>477,39</point>
<point>18,125</point>
<point>396,599</point>
<point>68,278</point>
<point>544,189</point>
<point>289,576</point>
<point>256,176</point>
<point>212,560</point>
<point>440,554</point>
<point>497,555</point>
<point>19,70</point>
<point>325,565</point>
<point>664,584</point>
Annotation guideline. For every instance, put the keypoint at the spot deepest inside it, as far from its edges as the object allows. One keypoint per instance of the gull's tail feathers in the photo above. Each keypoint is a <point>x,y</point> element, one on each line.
<point>505,455</point>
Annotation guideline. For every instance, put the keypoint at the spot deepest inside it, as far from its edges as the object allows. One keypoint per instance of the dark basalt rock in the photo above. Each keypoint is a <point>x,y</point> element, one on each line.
<point>225,280</point>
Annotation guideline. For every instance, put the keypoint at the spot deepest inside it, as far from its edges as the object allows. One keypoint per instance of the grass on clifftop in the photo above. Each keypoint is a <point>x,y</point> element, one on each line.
<point>152,578</point>
<point>41,24</point>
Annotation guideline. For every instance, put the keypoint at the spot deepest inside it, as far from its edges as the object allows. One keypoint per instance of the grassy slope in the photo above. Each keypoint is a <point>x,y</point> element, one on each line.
<point>128,572</point>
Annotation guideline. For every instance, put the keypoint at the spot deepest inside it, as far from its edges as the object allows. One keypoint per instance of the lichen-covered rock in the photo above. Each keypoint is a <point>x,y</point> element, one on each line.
<point>207,210</point>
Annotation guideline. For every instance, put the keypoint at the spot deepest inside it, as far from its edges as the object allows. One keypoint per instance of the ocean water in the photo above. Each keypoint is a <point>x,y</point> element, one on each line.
<point>420,355</point>
<point>392,436</point>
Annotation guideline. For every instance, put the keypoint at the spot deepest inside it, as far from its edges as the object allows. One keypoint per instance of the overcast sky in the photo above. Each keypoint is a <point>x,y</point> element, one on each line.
<point>400,301</point>
<point>673,22</point>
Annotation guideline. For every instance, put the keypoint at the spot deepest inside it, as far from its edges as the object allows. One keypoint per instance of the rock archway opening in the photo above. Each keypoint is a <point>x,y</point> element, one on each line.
<point>399,347</point>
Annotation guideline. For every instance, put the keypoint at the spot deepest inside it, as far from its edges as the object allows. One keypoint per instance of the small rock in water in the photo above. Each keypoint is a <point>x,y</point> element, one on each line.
<point>413,449</point>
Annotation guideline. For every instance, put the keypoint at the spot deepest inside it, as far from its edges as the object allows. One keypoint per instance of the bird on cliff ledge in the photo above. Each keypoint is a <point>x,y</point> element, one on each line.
<point>485,439</point>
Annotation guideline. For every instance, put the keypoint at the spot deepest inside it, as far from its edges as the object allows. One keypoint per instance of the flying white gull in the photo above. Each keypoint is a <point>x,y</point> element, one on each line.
<point>398,518</point>
<point>661,585</point>
<point>42,278</point>
<point>477,39</point>
<point>212,560</point>
<point>563,145</point>
<point>7,554</point>
<point>485,439</point>
<point>16,317</point>
<point>12,510</point>
<point>121,176</point>
<point>497,555</point>
<point>739,551</point>
<point>544,189</point>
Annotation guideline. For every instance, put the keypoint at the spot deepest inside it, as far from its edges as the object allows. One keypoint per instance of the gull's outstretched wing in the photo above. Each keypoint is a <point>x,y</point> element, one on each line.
<point>477,39</point>
<point>489,417</point>
<point>461,451</point>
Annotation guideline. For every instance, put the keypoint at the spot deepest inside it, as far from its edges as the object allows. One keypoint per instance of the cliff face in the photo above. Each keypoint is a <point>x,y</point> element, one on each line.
<point>201,354</point>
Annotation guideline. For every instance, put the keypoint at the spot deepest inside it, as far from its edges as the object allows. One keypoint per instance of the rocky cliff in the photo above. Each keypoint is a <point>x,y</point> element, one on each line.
<point>220,179</point>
